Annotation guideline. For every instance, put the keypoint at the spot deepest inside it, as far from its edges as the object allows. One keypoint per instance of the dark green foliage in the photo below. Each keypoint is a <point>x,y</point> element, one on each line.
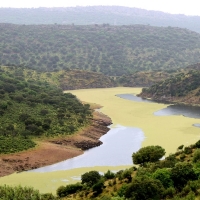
<point>148,154</point>
<point>179,86</point>
<point>111,50</point>
<point>90,178</point>
<point>9,144</point>
<point>144,188</point>
<point>164,176</point>
<point>35,110</point>
<point>196,157</point>
<point>98,187</point>
<point>20,193</point>
<point>109,175</point>
<point>63,191</point>
<point>182,173</point>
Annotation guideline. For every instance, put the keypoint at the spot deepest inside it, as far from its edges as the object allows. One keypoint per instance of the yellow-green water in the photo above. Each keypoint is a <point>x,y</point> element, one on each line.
<point>167,131</point>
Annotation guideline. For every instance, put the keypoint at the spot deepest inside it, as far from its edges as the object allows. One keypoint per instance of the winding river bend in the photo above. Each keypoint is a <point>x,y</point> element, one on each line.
<point>168,131</point>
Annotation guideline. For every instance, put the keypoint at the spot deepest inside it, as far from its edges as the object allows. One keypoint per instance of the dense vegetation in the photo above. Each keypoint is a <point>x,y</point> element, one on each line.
<point>176,177</point>
<point>145,78</point>
<point>20,193</point>
<point>183,87</point>
<point>33,108</point>
<point>111,50</point>
<point>114,15</point>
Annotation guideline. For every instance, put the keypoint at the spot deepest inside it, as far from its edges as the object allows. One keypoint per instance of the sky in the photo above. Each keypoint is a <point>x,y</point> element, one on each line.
<point>187,7</point>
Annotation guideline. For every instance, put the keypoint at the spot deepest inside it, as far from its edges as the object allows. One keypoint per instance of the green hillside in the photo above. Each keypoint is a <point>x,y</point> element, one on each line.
<point>31,108</point>
<point>111,50</point>
<point>113,15</point>
<point>182,88</point>
<point>176,177</point>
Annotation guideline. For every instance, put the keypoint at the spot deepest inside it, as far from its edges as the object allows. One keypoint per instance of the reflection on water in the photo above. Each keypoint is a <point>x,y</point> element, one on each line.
<point>117,148</point>
<point>187,111</point>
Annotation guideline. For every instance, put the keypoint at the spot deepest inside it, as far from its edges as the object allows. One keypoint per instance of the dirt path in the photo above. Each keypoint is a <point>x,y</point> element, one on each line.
<point>56,150</point>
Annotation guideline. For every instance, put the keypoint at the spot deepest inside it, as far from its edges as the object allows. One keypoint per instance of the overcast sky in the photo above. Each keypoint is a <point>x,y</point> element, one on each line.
<point>188,7</point>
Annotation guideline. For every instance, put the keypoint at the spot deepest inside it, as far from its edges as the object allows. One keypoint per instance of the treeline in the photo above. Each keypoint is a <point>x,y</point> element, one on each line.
<point>176,177</point>
<point>111,50</point>
<point>183,87</point>
<point>32,108</point>
<point>114,15</point>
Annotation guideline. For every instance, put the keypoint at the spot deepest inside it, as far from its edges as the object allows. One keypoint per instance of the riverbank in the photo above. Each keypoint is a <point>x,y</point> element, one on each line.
<point>55,150</point>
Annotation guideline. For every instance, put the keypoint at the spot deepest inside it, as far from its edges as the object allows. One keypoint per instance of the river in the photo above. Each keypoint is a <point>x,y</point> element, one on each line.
<point>135,124</point>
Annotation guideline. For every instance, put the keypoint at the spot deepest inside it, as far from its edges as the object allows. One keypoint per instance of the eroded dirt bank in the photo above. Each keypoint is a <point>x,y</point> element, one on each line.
<point>56,150</point>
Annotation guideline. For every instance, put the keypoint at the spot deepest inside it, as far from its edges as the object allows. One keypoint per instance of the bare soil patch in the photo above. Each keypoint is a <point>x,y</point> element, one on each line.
<point>58,149</point>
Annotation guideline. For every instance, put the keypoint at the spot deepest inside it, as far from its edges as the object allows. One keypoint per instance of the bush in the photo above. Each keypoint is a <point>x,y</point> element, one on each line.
<point>164,176</point>
<point>109,175</point>
<point>148,154</point>
<point>144,188</point>
<point>90,178</point>
<point>98,187</point>
<point>181,173</point>
<point>63,191</point>
<point>196,156</point>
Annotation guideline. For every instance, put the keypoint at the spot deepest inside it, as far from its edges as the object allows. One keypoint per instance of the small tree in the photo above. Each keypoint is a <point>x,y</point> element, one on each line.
<point>181,173</point>
<point>148,154</point>
<point>144,188</point>
<point>90,178</point>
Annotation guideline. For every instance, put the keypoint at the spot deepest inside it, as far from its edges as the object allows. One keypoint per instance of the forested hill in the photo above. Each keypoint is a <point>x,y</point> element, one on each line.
<point>181,88</point>
<point>113,15</point>
<point>32,108</point>
<point>111,50</point>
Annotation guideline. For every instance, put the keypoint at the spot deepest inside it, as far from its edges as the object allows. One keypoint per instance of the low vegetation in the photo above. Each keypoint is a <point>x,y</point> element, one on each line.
<point>182,88</point>
<point>176,177</point>
<point>32,108</point>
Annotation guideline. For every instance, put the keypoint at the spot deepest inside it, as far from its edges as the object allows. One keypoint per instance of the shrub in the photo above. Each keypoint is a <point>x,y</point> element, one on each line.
<point>164,176</point>
<point>148,154</point>
<point>144,188</point>
<point>90,178</point>
<point>63,191</point>
<point>181,173</point>
<point>109,175</point>
<point>196,156</point>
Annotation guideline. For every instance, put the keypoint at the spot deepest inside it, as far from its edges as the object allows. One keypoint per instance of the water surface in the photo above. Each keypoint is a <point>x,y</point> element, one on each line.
<point>117,148</point>
<point>187,111</point>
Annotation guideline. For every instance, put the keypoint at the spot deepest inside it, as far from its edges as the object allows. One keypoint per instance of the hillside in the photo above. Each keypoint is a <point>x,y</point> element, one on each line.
<point>31,108</point>
<point>113,15</point>
<point>175,177</point>
<point>145,78</point>
<point>111,50</point>
<point>181,88</point>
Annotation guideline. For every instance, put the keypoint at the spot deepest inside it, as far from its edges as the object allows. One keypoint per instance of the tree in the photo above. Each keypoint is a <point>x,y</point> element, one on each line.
<point>164,176</point>
<point>148,154</point>
<point>90,178</point>
<point>144,188</point>
<point>181,173</point>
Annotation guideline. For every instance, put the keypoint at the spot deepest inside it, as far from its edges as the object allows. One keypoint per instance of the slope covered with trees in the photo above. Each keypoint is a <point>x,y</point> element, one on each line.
<point>111,50</point>
<point>114,15</point>
<point>31,108</point>
<point>182,88</point>
<point>175,177</point>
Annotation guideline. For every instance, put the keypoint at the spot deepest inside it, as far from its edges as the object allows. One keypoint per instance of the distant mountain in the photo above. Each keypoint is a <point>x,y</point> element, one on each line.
<point>111,50</point>
<point>113,15</point>
<point>181,88</point>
